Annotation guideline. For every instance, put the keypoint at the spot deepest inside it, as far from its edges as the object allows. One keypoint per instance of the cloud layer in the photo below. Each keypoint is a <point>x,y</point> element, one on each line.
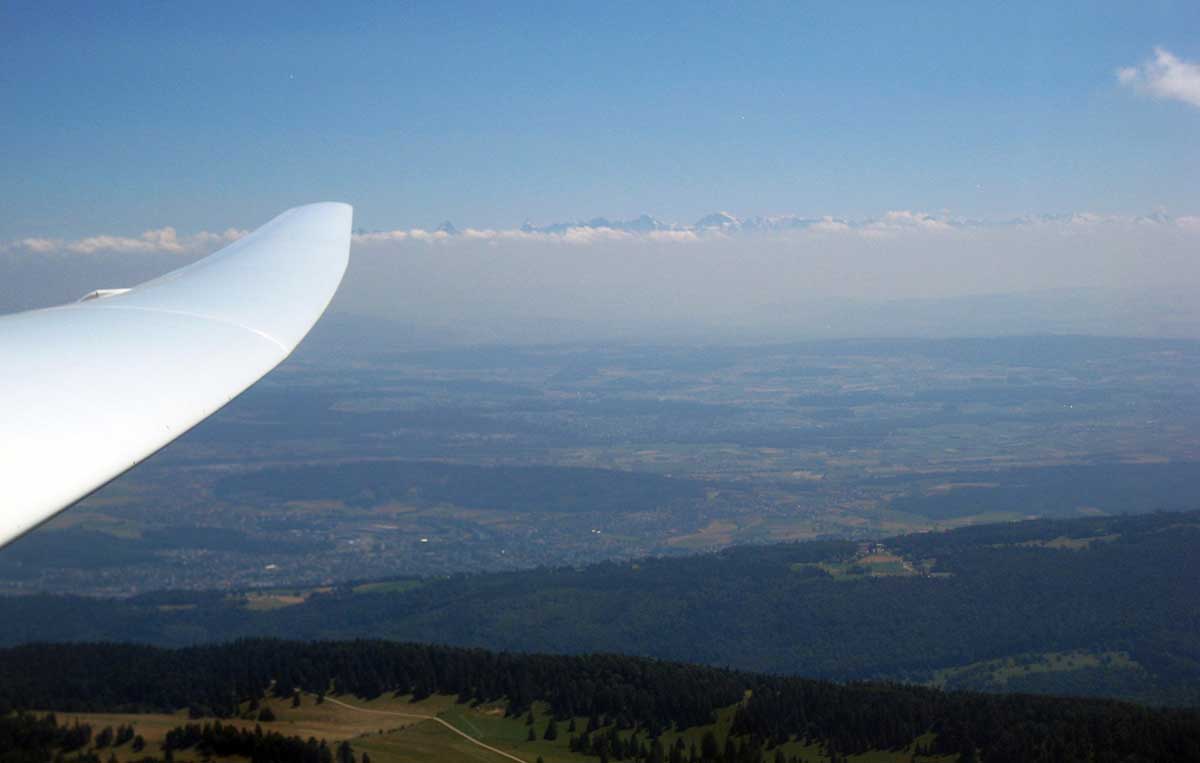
<point>722,226</point>
<point>1164,76</point>
<point>155,241</point>
<point>714,228</point>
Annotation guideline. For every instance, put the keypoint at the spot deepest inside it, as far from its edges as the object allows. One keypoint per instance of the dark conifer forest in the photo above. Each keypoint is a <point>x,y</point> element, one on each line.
<point>1120,590</point>
<point>628,693</point>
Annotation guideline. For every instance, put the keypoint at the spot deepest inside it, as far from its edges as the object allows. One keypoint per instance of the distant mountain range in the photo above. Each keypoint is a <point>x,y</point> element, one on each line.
<point>726,222</point>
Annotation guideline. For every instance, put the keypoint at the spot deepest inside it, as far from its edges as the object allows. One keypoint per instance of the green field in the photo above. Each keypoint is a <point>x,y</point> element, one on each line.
<point>867,564</point>
<point>995,675</point>
<point>388,586</point>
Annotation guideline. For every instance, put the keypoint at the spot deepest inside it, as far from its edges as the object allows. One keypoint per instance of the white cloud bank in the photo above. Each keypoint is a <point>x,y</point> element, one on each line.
<point>155,241</point>
<point>787,228</point>
<point>645,231</point>
<point>1164,76</point>
<point>779,229</point>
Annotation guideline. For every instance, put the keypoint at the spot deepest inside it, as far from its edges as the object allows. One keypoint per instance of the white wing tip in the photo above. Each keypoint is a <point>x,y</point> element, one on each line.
<point>329,208</point>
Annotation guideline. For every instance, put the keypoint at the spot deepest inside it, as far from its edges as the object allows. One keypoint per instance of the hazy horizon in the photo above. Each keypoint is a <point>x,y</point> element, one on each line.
<point>904,274</point>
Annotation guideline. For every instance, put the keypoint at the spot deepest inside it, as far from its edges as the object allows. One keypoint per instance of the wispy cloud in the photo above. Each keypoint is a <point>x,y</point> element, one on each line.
<point>830,225</point>
<point>37,245</point>
<point>1189,223</point>
<point>156,241</point>
<point>1164,76</point>
<point>903,221</point>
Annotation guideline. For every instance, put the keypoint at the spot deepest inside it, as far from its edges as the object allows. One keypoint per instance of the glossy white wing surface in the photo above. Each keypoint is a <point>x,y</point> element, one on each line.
<point>90,389</point>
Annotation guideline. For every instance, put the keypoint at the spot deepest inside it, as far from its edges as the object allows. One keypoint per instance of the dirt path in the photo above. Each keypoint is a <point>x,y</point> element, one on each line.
<point>433,718</point>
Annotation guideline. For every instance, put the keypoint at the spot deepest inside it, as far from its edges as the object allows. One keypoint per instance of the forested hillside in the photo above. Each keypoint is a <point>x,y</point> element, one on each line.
<point>630,702</point>
<point>1103,606</point>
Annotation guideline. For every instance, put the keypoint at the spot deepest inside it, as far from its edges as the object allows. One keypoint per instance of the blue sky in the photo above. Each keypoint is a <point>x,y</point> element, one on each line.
<point>121,117</point>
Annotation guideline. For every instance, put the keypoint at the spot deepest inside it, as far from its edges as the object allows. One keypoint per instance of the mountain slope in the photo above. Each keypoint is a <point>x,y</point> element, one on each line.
<point>1102,606</point>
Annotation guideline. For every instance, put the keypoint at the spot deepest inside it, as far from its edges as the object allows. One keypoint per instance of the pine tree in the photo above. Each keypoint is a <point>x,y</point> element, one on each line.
<point>656,754</point>
<point>551,731</point>
<point>104,738</point>
<point>124,734</point>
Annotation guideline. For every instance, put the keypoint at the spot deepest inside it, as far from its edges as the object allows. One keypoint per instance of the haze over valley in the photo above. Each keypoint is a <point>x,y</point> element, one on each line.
<point>357,462</point>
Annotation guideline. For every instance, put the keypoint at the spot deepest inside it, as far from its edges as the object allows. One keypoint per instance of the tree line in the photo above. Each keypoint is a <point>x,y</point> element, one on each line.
<point>222,740</point>
<point>39,738</point>
<point>626,697</point>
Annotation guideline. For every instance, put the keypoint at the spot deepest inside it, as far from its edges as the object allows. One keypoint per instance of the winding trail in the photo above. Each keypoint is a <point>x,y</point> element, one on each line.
<point>434,718</point>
